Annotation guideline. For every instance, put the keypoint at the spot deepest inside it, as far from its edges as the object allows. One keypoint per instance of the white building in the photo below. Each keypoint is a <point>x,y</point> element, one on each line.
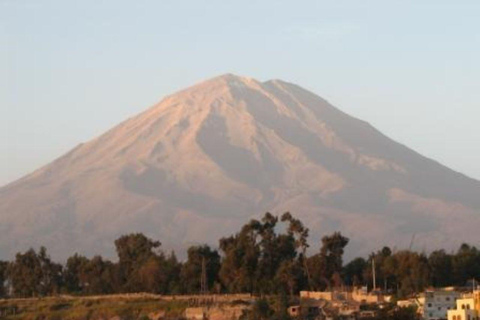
<point>434,305</point>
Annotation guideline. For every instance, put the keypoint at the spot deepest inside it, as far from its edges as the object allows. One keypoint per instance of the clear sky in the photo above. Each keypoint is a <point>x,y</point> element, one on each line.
<point>69,70</point>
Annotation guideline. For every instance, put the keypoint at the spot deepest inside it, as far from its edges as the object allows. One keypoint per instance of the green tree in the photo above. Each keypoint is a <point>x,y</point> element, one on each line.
<point>260,310</point>
<point>274,250</point>
<point>297,230</point>
<point>318,267</point>
<point>241,254</point>
<point>269,258</point>
<point>151,275</point>
<point>33,274</point>
<point>25,274</point>
<point>383,277</point>
<point>353,272</point>
<point>409,270</point>
<point>135,250</point>
<point>327,265</point>
<point>172,269</point>
<point>51,281</point>
<point>332,252</point>
<point>74,268</point>
<point>97,276</point>
<point>466,264</point>
<point>191,272</point>
<point>253,257</point>
<point>290,276</point>
<point>3,278</point>
<point>441,268</point>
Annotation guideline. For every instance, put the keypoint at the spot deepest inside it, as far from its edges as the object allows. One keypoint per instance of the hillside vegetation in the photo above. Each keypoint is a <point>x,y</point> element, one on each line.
<point>125,307</point>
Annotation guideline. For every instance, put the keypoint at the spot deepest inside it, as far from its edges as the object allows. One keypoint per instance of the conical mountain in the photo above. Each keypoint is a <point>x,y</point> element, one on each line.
<point>203,161</point>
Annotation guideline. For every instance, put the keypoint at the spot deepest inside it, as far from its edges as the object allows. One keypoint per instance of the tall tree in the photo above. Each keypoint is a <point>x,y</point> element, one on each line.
<point>172,269</point>
<point>151,275</point>
<point>441,268</point>
<point>466,264</point>
<point>3,278</point>
<point>410,271</point>
<point>383,278</point>
<point>317,265</point>
<point>275,249</point>
<point>33,274</point>
<point>241,254</point>
<point>200,257</point>
<point>353,272</point>
<point>52,277</point>
<point>98,276</point>
<point>135,250</point>
<point>290,276</point>
<point>73,274</point>
<point>332,252</point>
<point>297,230</point>
<point>25,274</point>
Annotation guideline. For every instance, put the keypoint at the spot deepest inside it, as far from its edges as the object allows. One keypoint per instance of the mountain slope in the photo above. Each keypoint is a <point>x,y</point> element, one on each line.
<point>228,149</point>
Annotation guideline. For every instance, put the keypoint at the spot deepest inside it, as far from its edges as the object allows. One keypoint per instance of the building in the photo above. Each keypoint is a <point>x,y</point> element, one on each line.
<point>306,312</point>
<point>434,304</point>
<point>407,303</point>
<point>467,308</point>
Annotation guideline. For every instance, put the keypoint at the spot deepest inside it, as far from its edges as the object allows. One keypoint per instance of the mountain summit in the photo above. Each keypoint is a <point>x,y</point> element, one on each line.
<point>203,161</point>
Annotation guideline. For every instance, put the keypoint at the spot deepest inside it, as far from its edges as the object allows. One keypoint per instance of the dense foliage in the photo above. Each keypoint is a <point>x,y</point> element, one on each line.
<point>266,256</point>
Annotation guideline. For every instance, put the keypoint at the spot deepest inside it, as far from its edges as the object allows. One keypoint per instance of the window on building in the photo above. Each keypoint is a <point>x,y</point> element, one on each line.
<point>468,307</point>
<point>447,298</point>
<point>429,305</point>
<point>463,307</point>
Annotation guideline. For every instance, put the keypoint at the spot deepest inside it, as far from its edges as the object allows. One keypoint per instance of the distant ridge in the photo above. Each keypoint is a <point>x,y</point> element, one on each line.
<point>203,161</point>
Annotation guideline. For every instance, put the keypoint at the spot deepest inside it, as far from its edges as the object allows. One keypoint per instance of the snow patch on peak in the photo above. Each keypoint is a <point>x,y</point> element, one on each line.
<point>239,81</point>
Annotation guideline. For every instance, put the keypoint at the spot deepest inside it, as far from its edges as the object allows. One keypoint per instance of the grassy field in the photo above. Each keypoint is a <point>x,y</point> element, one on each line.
<point>124,307</point>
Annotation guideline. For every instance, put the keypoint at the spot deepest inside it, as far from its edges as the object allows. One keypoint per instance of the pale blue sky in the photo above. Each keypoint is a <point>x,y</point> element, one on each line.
<point>69,70</point>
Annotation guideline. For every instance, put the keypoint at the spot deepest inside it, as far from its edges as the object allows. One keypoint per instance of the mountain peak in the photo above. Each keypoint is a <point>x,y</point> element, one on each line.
<point>231,79</point>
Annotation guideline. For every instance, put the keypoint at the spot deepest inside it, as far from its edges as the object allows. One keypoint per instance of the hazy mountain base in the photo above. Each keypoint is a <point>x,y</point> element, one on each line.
<point>229,149</point>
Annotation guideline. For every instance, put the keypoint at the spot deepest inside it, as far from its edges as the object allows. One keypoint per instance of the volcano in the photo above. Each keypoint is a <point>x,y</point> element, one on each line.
<point>205,160</point>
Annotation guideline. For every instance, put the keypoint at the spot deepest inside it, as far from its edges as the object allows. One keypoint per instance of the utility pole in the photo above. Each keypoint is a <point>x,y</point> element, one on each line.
<point>373,272</point>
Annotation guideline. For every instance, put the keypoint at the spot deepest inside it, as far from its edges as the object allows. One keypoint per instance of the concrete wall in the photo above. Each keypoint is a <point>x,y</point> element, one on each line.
<point>316,295</point>
<point>355,295</point>
<point>215,313</point>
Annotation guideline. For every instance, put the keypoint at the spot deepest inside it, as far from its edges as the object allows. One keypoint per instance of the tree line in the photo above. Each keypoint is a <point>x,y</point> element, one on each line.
<point>266,256</point>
